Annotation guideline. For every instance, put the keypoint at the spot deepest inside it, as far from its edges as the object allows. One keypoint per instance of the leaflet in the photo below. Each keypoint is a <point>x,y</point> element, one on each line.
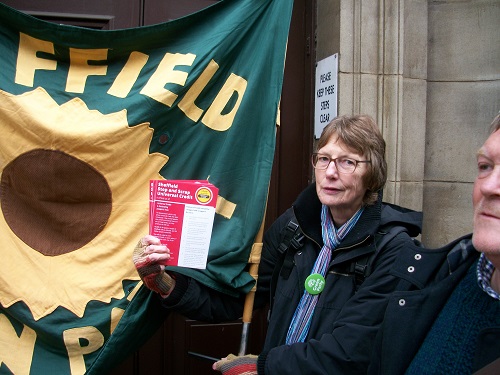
<point>181,215</point>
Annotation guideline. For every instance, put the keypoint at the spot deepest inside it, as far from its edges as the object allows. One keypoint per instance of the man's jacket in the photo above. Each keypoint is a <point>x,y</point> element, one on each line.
<point>428,277</point>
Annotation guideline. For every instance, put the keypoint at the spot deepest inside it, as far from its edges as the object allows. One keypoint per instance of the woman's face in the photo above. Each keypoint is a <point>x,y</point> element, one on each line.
<point>342,193</point>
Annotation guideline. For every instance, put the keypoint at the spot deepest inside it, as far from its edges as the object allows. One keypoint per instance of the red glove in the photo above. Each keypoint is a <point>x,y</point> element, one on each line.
<point>150,268</point>
<point>237,365</point>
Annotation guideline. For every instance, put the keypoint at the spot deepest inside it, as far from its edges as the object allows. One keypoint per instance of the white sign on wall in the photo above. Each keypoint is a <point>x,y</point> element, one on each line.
<point>325,107</point>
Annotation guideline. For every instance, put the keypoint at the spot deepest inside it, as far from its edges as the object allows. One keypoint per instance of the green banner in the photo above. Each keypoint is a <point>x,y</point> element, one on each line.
<point>87,118</point>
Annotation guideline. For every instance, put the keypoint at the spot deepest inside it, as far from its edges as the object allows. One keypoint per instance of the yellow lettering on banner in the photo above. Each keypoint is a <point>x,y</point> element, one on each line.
<point>214,119</point>
<point>81,341</point>
<point>128,75</point>
<point>83,63</point>
<point>165,73</point>
<point>28,61</point>
<point>79,68</point>
<point>187,103</point>
<point>16,352</point>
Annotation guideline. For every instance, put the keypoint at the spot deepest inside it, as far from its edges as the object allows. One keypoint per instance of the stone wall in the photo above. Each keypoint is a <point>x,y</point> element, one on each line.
<point>463,96</point>
<point>428,72</point>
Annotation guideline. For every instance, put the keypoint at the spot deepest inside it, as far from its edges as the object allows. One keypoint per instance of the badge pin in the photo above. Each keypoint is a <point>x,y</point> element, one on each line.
<point>315,283</point>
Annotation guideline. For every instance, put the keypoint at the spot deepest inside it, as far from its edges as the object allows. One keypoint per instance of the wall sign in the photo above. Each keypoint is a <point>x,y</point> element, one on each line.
<point>325,107</point>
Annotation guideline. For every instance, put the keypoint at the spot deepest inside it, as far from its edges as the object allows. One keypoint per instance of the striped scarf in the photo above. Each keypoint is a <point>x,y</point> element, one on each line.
<point>301,321</point>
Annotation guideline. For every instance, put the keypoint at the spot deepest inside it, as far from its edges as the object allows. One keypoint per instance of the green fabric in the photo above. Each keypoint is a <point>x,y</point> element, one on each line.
<point>51,265</point>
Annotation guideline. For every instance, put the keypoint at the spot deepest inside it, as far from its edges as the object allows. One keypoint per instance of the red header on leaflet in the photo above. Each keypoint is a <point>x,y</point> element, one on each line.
<point>181,215</point>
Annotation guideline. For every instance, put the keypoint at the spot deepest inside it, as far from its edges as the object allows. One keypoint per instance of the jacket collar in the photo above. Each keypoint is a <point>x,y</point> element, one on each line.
<point>307,209</point>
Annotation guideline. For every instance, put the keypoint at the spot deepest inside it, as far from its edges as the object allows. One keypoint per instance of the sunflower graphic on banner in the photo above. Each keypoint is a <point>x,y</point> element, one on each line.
<point>87,118</point>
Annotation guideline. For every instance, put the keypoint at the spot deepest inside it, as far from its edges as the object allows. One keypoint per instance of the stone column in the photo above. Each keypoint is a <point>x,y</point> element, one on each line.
<point>463,97</point>
<point>382,49</point>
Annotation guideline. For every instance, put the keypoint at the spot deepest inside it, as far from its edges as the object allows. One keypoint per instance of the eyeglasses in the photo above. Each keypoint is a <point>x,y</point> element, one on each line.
<point>343,165</point>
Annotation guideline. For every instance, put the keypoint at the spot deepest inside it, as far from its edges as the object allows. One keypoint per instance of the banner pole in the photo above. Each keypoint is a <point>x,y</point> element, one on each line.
<point>254,261</point>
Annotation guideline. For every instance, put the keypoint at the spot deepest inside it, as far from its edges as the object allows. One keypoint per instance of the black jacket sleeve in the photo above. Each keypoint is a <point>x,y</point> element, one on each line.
<point>199,302</point>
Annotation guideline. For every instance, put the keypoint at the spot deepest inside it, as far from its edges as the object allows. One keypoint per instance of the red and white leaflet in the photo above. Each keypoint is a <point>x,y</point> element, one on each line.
<point>181,215</point>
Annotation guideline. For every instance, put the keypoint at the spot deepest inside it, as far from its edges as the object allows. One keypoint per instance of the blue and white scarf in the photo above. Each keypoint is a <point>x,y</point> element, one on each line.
<point>301,321</point>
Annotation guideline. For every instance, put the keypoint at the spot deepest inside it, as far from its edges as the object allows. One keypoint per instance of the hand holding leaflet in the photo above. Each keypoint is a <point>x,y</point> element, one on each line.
<point>150,267</point>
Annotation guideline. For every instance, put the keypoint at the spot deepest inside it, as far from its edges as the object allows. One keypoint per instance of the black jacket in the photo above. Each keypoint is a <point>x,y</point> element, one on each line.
<point>428,277</point>
<point>345,322</point>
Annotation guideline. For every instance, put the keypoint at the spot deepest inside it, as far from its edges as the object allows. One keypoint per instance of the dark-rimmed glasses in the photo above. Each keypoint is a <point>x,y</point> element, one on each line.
<point>343,164</point>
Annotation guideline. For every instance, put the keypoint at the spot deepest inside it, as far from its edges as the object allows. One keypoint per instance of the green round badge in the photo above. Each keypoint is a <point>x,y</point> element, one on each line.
<point>315,283</point>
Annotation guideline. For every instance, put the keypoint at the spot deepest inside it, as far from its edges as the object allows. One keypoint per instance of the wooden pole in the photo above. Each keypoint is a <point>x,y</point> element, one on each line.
<point>254,262</point>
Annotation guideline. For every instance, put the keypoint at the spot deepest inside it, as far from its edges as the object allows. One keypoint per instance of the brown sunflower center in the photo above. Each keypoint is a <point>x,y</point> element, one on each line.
<point>54,202</point>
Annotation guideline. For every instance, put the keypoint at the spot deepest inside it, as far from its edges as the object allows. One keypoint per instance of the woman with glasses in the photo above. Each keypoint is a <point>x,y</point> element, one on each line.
<point>329,291</point>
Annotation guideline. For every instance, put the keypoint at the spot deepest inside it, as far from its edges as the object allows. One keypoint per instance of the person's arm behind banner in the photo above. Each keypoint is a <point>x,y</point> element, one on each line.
<point>179,292</point>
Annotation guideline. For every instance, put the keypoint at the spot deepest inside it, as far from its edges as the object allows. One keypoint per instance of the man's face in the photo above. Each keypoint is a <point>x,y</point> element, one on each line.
<point>486,199</point>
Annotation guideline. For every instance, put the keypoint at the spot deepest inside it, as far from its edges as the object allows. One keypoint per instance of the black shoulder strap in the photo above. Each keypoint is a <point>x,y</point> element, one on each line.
<point>362,268</point>
<point>383,237</point>
<point>291,242</point>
